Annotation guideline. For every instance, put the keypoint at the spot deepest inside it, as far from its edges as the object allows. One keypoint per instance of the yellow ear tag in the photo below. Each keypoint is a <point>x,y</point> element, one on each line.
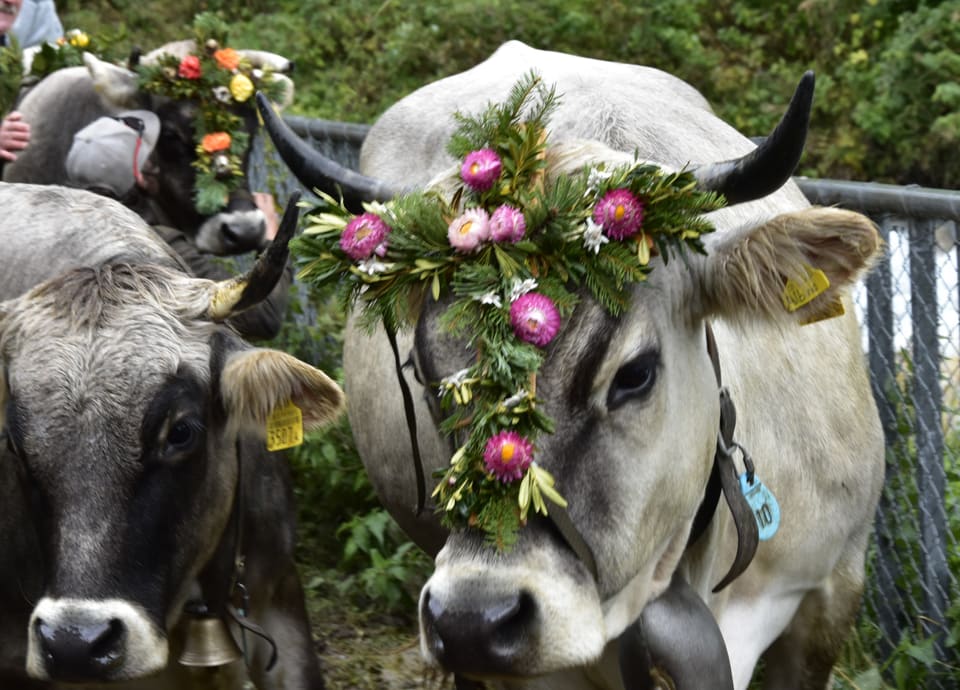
<point>835,308</point>
<point>796,294</point>
<point>285,427</point>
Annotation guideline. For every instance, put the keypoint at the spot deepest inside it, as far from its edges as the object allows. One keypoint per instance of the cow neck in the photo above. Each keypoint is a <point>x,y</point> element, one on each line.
<point>236,602</point>
<point>723,477</point>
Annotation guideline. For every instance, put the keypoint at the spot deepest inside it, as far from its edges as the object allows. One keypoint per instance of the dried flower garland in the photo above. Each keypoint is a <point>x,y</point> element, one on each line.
<point>514,253</point>
<point>222,83</point>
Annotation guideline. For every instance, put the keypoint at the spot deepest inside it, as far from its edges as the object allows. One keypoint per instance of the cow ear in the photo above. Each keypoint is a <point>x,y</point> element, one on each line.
<point>767,271</point>
<point>256,381</point>
<point>117,86</point>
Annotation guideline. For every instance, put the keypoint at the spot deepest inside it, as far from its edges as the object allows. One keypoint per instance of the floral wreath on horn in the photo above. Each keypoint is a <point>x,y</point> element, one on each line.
<point>513,251</point>
<point>220,80</point>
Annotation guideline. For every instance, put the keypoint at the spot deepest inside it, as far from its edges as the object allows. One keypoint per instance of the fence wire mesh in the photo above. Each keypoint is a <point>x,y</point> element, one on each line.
<point>909,309</point>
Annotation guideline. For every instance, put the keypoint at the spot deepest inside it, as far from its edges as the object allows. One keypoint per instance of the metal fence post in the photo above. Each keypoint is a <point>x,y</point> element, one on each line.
<point>888,606</point>
<point>931,474</point>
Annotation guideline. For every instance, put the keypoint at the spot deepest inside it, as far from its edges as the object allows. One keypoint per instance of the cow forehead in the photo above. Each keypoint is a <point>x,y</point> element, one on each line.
<point>93,338</point>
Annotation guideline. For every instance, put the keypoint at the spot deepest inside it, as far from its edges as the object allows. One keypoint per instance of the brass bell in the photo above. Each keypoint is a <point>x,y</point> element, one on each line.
<point>208,641</point>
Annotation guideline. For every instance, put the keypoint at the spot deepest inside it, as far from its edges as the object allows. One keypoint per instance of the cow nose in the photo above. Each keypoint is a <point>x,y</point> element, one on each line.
<point>83,652</point>
<point>479,635</point>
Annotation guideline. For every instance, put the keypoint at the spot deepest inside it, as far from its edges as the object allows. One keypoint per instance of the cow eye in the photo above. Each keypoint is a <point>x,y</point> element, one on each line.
<point>634,380</point>
<point>184,435</point>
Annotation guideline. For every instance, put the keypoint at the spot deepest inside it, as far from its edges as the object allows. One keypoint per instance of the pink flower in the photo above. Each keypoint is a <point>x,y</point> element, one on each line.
<point>481,169</point>
<point>190,67</point>
<point>507,456</point>
<point>507,224</point>
<point>535,318</point>
<point>620,213</point>
<point>364,235</point>
<point>468,231</point>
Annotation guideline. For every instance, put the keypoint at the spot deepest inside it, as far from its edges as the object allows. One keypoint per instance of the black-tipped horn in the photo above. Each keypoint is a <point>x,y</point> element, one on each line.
<point>767,168</point>
<point>316,171</point>
<point>237,294</point>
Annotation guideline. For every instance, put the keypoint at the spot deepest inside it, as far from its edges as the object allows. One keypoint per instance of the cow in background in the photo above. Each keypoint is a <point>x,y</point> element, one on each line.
<point>636,406</point>
<point>134,478</point>
<point>69,99</point>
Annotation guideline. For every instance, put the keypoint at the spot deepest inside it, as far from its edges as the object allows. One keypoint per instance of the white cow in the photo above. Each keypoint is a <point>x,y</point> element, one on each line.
<point>635,401</point>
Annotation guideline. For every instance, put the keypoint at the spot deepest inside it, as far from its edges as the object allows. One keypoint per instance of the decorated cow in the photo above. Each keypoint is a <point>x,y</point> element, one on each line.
<point>169,135</point>
<point>604,309</point>
<point>139,497</point>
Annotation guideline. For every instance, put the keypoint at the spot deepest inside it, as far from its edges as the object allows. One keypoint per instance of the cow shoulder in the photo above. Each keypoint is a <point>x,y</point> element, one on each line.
<point>256,381</point>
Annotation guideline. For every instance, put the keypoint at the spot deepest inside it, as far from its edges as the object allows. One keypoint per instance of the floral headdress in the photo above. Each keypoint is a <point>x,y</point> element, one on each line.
<point>219,80</point>
<point>513,250</point>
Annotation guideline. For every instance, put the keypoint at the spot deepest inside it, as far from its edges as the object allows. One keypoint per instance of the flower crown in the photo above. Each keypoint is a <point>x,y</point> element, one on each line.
<point>218,79</point>
<point>513,250</point>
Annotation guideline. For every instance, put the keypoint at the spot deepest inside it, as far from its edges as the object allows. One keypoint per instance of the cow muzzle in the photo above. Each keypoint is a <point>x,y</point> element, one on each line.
<point>516,619</point>
<point>86,640</point>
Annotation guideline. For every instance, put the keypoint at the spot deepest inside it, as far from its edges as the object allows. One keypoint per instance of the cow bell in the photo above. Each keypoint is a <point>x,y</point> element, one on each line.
<point>208,641</point>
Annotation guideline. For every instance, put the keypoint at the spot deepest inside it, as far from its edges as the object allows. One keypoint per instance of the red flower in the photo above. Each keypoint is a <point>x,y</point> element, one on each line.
<point>620,213</point>
<point>535,319</point>
<point>507,456</point>
<point>364,235</point>
<point>481,169</point>
<point>190,67</point>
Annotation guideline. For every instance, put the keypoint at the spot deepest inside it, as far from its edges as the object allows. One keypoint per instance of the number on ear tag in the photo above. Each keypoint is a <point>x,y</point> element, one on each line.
<point>797,293</point>
<point>285,427</point>
<point>765,507</point>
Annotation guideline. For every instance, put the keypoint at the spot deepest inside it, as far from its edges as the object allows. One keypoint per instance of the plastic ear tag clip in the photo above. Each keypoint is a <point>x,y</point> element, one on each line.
<point>285,427</point>
<point>835,308</point>
<point>798,293</point>
<point>765,507</point>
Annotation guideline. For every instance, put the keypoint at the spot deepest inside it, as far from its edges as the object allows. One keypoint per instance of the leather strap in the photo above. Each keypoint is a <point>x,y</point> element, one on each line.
<point>411,417</point>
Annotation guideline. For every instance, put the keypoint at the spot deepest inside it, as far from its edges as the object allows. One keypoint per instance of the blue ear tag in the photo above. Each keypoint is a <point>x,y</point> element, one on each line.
<point>765,507</point>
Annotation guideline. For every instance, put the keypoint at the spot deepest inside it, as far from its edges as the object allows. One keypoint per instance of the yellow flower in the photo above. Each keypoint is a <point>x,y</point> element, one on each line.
<point>79,40</point>
<point>241,88</point>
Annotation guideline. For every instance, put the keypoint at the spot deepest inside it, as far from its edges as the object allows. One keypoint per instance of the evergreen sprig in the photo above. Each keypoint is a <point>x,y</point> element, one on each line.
<point>561,253</point>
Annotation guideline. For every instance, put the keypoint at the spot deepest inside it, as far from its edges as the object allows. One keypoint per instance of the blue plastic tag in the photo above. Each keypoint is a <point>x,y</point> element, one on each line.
<point>765,507</point>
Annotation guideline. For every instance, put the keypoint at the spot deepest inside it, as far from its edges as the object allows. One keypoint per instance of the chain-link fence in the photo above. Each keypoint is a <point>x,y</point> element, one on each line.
<point>909,308</point>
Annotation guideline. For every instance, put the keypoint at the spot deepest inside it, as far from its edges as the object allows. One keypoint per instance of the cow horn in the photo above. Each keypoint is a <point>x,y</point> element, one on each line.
<point>315,170</point>
<point>237,294</point>
<point>767,168</point>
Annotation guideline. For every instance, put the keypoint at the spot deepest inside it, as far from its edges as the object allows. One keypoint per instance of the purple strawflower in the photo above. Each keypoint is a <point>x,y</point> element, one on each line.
<point>535,318</point>
<point>364,235</point>
<point>507,224</point>
<point>469,231</point>
<point>507,456</point>
<point>620,214</point>
<point>481,169</point>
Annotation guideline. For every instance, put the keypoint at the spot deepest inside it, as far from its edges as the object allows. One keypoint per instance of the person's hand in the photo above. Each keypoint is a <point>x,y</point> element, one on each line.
<point>14,136</point>
<point>264,202</point>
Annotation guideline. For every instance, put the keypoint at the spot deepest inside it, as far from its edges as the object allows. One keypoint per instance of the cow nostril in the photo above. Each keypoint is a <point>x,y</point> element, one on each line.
<point>512,623</point>
<point>229,234</point>
<point>107,649</point>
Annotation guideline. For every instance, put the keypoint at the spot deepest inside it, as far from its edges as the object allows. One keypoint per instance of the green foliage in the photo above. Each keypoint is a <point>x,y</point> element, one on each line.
<point>911,108</point>
<point>887,105</point>
<point>10,61</point>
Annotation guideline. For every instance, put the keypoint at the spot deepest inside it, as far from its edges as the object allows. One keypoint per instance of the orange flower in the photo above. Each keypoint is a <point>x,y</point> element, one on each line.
<point>215,141</point>
<point>227,58</point>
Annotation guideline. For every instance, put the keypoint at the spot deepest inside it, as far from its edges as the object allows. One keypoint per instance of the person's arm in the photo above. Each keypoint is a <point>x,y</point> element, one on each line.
<point>261,322</point>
